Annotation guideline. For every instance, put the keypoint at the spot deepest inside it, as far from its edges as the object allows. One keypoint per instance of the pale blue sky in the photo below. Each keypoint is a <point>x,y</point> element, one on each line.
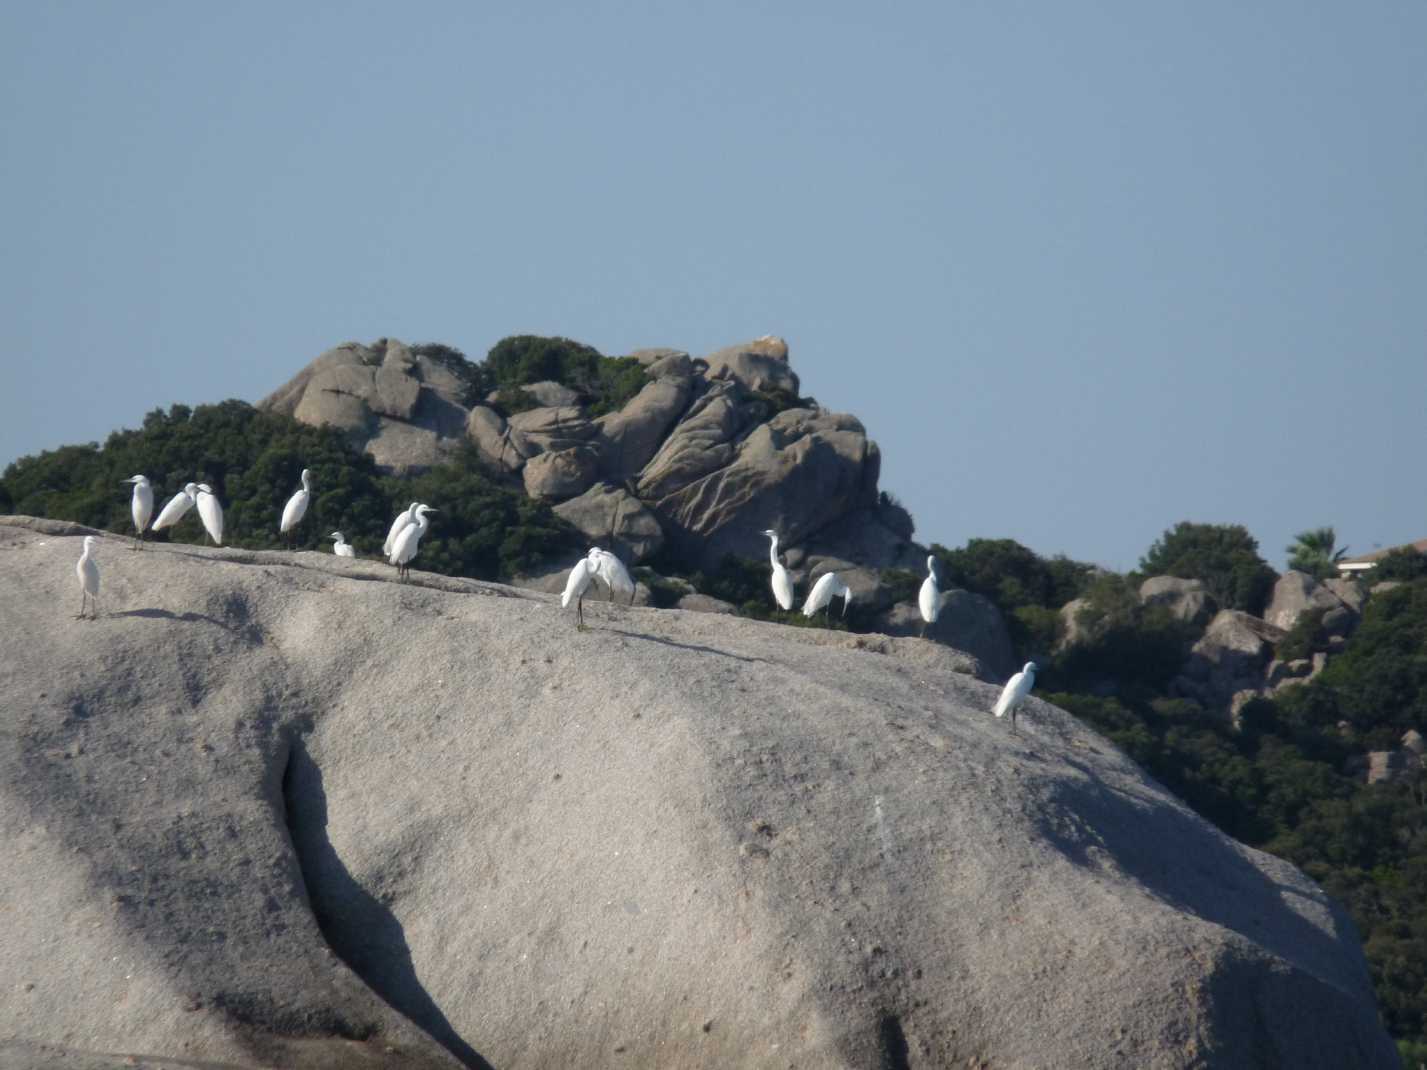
<point>1083,270</point>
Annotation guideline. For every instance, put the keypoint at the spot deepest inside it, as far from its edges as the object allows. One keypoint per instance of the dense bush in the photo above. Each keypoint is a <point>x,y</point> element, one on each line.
<point>1404,563</point>
<point>254,459</point>
<point>1225,556</point>
<point>606,382</point>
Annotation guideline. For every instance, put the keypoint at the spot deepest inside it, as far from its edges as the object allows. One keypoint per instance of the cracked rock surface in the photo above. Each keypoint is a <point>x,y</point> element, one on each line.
<point>277,810</point>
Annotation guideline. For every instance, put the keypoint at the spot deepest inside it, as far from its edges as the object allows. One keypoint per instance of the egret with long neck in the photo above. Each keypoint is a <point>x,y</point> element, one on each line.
<point>88,572</point>
<point>929,597</point>
<point>141,506</point>
<point>409,541</point>
<point>296,508</point>
<point>782,582</point>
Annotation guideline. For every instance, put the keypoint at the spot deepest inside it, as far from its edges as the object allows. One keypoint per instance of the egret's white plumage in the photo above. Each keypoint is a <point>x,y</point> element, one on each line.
<point>176,507</point>
<point>610,571</point>
<point>576,584</point>
<point>409,541</point>
<point>88,572</point>
<point>211,513</point>
<point>929,597</point>
<point>341,547</point>
<point>1015,692</point>
<point>296,507</point>
<point>141,505</point>
<point>829,586</point>
<point>403,518</point>
<point>782,582</point>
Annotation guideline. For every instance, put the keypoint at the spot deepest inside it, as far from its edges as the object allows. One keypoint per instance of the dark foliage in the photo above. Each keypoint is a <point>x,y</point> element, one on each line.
<point>1225,556</point>
<point>1404,563</point>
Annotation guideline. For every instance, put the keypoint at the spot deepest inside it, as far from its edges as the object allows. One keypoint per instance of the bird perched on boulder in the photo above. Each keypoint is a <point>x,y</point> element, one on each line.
<point>403,518</point>
<point>929,597</point>
<point>88,572</point>
<point>210,512</point>
<point>782,582</point>
<point>1015,692</point>
<point>296,507</point>
<point>829,586</point>
<point>610,570</point>
<point>341,547</point>
<point>409,541</point>
<point>174,510</point>
<point>141,505</point>
<point>576,584</point>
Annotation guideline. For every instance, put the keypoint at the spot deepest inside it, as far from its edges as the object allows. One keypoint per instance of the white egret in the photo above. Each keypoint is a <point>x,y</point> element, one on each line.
<point>1015,692</point>
<point>296,507</point>
<point>341,547</point>
<point>405,517</point>
<point>211,513</point>
<point>929,597</point>
<point>141,506</point>
<point>782,582</point>
<point>829,586</point>
<point>409,541</point>
<point>576,584</point>
<point>610,570</point>
<point>176,507</point>
<point>88,572</point>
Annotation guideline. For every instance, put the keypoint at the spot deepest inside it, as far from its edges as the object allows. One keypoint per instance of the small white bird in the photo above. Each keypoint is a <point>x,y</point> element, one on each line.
<point>576,584</point>
<point>88,572</point>
<point>211,513</point>
<point>141,506</point>
<point>176,507</point>
<point>296,507</point>
<point>610,571</point>
<point>409,541</point>
<point>1015,692</point>
<point>929,597</point>
<point>341,547</point>
<point>782,582</point>
<point>829,586</point>
<point>405,517</point>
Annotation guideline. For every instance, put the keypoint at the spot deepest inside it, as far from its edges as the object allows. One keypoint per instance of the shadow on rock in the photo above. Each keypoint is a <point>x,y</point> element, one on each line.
<point>357,925</point>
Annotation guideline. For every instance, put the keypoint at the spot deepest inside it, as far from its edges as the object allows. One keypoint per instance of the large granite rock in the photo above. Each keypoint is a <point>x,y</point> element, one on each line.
<point>700,443</point>
<point>555,428</point>
<point>759,365</point>
<point>968,621</point>
<point>406,411</point>
<point>1187,600</point>
<point>613,518</point>
<point>1230,657</point>
<point>545,393</point>
<point>797,473</point>
<point>559,474</point>
<point>1296,593</point>
<point>499,446</point>
<point>629,438</point>
<point>243,826</point>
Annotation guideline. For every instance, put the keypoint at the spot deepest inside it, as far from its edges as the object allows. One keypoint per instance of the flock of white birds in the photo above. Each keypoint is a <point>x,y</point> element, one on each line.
<point>598,567</point>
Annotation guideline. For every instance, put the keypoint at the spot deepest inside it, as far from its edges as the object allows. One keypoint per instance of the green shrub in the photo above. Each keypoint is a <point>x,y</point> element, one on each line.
<point>1224,556</point>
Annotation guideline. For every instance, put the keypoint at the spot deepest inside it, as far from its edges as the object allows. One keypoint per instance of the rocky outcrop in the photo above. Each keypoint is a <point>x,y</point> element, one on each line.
<point>675,839</point>
<point>407,411</point>
<point>630,438</point>
<point>1186,600</point>
<point>546,429</point>
<point>545,393</point>
<point>1297,593</point>
<point>759,365</point>
<point>968,622</point>
<point>560,474</point>
<point>613,518</point>
<point>1390,766</point>
<point>1229,658</point>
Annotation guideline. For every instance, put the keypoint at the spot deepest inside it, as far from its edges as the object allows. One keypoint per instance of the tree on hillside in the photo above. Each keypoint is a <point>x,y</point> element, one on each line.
<point>1316,553</point>
<point>1224,556</point>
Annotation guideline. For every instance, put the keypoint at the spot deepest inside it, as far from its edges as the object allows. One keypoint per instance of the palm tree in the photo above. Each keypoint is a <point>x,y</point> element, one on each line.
<point>1313,552</point>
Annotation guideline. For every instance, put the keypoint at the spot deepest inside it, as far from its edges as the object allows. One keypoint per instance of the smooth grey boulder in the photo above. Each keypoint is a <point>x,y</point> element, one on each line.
<point>1296,593</point>
<point>1230,657</point>
<point>703,603</point>
<point>498,445</point>
<point>246,826</point>
<point>407,411</point>
<point>616,520</point>
<point>1075,628</point>
<point>866,535</point>
<point>759,365</point>
<point>557,428</point>
<point>1187,600</point>
<point>700,443</point>
<point>796,474</point>
<point>650,357</point>
<point>967,621</point>
<point>629,438</point>
<point>559,474</point>
<point>546,392</point>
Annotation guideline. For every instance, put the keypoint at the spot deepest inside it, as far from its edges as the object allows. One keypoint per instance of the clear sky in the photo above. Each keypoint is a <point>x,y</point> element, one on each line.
<point>1083,269</point>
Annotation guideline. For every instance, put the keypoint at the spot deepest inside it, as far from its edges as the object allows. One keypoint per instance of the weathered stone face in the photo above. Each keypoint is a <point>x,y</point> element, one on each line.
<point>1296,593</point>
<point>1187,600</point>
<point>616,520</point>
<point>556,475</point>
<point>1231,657</point>
<point>689,836</point>
<point>759,365</point>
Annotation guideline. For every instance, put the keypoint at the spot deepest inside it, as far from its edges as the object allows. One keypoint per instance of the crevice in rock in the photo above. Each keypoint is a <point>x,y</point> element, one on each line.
<point>892,1043</point>
<point>361,930</point>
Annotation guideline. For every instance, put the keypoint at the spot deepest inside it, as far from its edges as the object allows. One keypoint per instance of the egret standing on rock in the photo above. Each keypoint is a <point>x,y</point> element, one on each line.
<point>179,504</point>
<point>88,572</point>
<point>782,582</point>
<point>829,586</point>
<point>211,513</point>
<point>409,541</point>
<point>340,547</point>
<point>610,570</point>
<point>929,597</point>
<point>296,507</point>
<point>142,506</point>
<point>576,584</point>
<point>405,517</point>
<point>1015,692</point>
